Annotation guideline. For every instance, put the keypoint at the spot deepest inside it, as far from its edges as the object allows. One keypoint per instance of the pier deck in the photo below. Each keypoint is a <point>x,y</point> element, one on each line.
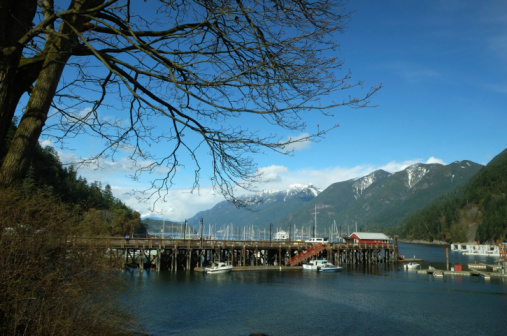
<point>187,254</point>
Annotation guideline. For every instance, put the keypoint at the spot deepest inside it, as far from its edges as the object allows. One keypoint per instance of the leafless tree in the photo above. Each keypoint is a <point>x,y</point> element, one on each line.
<point>191,75</point>
<point>53,284</point>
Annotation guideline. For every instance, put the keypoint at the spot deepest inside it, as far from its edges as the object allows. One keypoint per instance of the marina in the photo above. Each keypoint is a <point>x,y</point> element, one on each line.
<point>190,254</point>
<point>362,299</point>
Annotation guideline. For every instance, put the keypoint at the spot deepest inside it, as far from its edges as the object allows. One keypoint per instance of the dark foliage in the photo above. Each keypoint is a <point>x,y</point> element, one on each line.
<point>479,207</point>
<point>51,284</point>
<point>100,212</point>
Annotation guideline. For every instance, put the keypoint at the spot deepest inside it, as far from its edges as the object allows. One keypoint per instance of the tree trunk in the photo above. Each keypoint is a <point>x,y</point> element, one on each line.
<point>17,160</point>
<point>15,20</point>
<point>58,51</point>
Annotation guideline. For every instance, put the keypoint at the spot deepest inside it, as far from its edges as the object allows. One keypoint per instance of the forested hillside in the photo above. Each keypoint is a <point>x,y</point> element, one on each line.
<point>100,212</point>
<point>476,212</point>
<point>51,285</point>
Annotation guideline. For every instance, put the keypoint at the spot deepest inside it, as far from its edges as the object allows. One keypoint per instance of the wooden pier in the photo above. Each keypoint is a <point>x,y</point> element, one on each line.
<point>187,254</point>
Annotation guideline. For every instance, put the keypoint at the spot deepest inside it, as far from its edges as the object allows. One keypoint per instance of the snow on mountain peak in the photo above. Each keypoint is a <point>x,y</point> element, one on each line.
<point>361,184</point>
<point>415,173</point>
<point>299,188</point>
<point>294,190</point>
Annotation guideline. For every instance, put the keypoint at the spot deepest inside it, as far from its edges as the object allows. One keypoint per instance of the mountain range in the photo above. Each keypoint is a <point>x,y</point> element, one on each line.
<point>370,203</point>
<point>475,212</point>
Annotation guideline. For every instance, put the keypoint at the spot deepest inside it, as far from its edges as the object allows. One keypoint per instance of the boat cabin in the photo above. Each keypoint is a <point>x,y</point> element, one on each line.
<point>281,235</point>
<point>316,240</point>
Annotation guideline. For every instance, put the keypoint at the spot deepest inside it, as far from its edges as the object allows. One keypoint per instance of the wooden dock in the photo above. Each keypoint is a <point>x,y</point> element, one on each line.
<point>187,254</point>
<point>480,271</point>
<point>259,268</point>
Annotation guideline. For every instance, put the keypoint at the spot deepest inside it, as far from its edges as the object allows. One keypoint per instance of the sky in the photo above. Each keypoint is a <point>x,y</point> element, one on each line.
<point>443,67</point>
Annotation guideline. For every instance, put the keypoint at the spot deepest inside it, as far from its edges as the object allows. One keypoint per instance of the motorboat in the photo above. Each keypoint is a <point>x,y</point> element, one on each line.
<point>328,267</point>
<point>314,265</point>
<point>218,267</point>
<point>411,265</point>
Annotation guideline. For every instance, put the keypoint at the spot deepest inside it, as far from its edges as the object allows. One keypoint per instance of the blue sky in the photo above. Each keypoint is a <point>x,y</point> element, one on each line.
<point>443,66</point>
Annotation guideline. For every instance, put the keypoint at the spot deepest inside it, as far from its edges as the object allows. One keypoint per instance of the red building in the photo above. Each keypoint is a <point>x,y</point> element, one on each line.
<point>369,238</point>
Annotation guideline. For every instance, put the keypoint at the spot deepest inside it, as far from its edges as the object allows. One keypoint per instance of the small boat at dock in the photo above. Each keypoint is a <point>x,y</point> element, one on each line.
<point>328,267</point>
<point>218,267</point>
<point>411,265</point>
<point>321,265</point>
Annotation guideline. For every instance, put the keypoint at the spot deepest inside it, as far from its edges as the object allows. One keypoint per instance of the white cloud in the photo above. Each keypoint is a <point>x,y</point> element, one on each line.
<point>435,160</point>
<point>272,173</point>
<point>46,142</point>
<point>178,204</point>
<point>300,142</point>
<point>181,203</point>
<point>103,170</point>
<point>394,166</point>
<point>280,178</point>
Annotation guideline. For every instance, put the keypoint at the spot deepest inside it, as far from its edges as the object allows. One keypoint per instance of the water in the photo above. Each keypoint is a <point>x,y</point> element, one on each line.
<point>384,300</point>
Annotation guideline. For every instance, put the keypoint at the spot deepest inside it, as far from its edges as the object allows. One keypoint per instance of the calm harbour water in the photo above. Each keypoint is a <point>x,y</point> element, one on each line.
<point>384,300</point>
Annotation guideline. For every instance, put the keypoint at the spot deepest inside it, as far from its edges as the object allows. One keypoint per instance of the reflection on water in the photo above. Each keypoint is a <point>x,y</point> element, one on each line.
<point>380,299</point>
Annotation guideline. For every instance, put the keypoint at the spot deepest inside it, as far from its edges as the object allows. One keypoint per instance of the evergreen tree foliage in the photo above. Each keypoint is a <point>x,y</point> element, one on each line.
<point>100,212</point>
<point>480,204</point>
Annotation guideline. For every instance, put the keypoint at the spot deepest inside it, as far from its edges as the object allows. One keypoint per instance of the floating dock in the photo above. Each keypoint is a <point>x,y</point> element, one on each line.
<point>480,270</point>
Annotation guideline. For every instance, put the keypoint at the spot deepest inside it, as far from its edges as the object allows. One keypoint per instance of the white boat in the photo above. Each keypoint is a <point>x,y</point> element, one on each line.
<point>316,240</point>
<point>411,265</point>
<point>476,249</point>
<point>459,248</point>
<point>281,236</point>
<point>218,267</point>
<point>314,265</point>
<point>328,267</point>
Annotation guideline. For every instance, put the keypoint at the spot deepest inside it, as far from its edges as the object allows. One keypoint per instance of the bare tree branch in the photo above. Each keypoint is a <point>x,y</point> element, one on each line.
<point>186,74</point>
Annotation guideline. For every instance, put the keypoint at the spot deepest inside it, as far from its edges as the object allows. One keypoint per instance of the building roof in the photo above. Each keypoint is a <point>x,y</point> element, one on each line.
<point>370,236</point>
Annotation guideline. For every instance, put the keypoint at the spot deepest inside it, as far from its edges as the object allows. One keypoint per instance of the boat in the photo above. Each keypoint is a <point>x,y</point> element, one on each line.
<point>328,267</point>
<point>438,274</point>
<point>411,265</point>
<point>281,236</point>
<point>476,249</point>
<point>314,265</point>
<point>316,240</point>
<point>218,267</point>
